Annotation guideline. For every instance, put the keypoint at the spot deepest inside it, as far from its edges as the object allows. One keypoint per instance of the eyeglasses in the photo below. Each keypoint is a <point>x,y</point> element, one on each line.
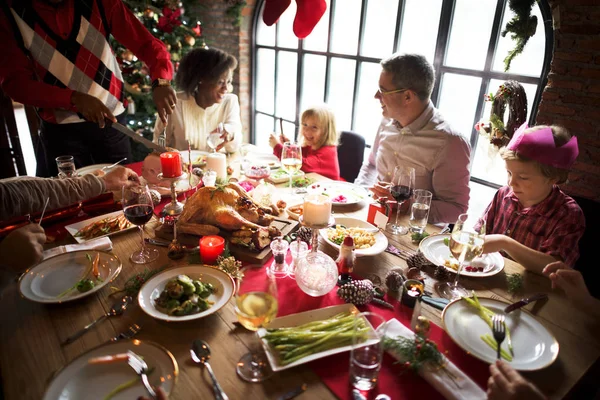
<point>225,83</point>
<point>384,92</point>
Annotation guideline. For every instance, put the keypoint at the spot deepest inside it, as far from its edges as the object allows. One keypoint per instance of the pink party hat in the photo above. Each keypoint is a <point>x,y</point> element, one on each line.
<point>539,146</point>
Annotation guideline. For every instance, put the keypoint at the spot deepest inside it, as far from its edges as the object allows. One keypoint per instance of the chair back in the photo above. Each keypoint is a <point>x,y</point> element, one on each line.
<point>351,152</point>
<point>588,256</point>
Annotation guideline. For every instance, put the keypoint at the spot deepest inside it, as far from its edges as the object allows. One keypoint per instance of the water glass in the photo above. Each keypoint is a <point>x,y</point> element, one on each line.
<point>419,212</point>
<point>209,178</point>
<point>299,250</point>
<point>66,167</point>
<point>367,351</point>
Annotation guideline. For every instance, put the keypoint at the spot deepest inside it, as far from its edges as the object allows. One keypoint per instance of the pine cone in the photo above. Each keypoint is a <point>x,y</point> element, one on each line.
<point>394,281</point>
<point>305,234</point>
<point>357,292</point>
<point>441,273</point>
<point>155,196</point>
<point>418,261</point>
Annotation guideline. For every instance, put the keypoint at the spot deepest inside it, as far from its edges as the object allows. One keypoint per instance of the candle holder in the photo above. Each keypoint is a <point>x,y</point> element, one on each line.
<point>314,241</point>
<point>412,291</point>
<point>174,207</point>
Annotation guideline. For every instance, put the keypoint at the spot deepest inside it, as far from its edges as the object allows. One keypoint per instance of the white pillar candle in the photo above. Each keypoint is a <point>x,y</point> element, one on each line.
<point>218,163</point>
<point>317,209</point>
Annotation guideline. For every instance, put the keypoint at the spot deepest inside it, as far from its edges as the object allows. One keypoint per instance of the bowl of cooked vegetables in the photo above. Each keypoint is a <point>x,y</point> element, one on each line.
<point>186,293</point>
<point>368,240</point>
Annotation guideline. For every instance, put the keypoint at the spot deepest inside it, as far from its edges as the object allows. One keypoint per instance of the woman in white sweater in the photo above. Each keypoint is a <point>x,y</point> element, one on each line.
<point>204,80</point>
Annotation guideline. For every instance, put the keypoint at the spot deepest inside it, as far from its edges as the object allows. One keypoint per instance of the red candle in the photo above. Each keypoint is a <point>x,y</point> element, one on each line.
<point>211,247</point>
<point>170,164</point>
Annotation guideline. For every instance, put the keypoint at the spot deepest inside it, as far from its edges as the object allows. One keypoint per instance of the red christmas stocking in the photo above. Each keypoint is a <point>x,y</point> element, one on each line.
<point>307,16</point>
<point>274,9</point>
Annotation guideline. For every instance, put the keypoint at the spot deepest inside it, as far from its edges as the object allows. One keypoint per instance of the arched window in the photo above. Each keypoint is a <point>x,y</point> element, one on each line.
<point>339,64</point>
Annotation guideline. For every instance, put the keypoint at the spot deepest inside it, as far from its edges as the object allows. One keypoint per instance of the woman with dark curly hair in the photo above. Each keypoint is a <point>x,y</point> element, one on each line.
<point>204,80</point>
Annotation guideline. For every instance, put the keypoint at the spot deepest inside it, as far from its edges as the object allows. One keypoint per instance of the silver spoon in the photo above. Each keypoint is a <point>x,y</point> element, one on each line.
<point>117,309</point>
<point>113,165</point>
<point>201,354</point>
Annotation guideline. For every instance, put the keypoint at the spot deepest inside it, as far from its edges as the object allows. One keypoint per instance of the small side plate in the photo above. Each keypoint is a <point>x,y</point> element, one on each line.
<point>76,227</point>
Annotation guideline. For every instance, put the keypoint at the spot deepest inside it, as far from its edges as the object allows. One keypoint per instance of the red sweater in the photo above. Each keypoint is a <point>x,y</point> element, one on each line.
<point>323,161</point>
<point>16,71</point>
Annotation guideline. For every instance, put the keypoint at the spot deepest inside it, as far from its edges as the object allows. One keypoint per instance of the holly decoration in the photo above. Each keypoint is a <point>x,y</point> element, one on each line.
<point>361,292</point>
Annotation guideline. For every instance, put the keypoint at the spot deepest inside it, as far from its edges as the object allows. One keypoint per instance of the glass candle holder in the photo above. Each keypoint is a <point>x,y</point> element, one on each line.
<point>316,274</point>
<point>211,247</point>
<point>299,250</point>
<point>279,267</point>
<point>209,178</point>
<point>411,291</point>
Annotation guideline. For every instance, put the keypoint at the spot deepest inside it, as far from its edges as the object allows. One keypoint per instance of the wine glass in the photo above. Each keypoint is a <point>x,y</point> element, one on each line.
<point>401,189</point>
<point>466,243</point>
<point>138,209</point>
<point>255,306</point>
<point>291,160</point>
<point>214,138</point>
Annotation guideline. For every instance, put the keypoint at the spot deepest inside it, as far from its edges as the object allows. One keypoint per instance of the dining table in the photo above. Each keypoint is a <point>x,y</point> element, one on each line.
<point>31,334</point>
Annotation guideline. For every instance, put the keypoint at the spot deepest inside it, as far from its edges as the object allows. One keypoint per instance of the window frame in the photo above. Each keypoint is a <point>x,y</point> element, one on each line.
<point>441,48</point>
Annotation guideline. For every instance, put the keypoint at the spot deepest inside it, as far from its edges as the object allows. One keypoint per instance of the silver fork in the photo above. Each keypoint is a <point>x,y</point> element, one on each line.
<point>128,334</point>
<point>162,138</point>
<point>141,368</point>
<point>499,330</point>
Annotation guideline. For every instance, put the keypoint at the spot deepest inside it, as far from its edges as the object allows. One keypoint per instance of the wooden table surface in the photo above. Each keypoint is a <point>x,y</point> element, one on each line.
<point>31,333</point>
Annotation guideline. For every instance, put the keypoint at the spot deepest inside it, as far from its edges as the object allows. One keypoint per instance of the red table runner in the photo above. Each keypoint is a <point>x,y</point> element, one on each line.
<point>394,380</point>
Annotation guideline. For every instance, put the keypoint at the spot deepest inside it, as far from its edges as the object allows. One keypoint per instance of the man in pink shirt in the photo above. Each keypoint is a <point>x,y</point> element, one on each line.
<point>413,133</point>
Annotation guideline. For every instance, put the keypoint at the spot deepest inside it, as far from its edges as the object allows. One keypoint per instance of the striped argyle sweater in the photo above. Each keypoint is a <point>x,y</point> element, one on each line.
<point>83,62</point>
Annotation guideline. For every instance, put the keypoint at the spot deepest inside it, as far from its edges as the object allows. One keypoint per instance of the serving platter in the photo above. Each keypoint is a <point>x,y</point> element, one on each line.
<point>90,169</point>
<point>77,226</point>
<point>341,193</point>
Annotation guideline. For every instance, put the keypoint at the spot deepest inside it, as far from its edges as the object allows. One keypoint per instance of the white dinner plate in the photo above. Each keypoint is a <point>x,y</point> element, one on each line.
<point>341,193</point>
<point>256,157</point>
<point>45,281</point>
<point>534,346</point>
<point>299,319</point>
<point>198,157</point>
<point>80,380</point>
<point>89,169</point>
<point>381,241</point>
<point>222,282</point>
<point>77,226</point>
<point>436,251</point>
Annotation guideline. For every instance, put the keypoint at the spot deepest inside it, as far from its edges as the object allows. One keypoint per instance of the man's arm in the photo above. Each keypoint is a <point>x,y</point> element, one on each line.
<point>450,181</point>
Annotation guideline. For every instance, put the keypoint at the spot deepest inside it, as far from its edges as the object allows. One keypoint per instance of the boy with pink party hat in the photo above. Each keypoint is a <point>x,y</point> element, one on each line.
<point>531,220</point>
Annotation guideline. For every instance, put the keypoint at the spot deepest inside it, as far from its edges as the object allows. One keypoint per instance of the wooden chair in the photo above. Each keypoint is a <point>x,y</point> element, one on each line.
<point>351,152</point>
<point>588,256</point>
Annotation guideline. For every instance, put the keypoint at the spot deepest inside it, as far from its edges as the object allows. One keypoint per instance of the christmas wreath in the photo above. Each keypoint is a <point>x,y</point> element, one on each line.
<point>510,93</point>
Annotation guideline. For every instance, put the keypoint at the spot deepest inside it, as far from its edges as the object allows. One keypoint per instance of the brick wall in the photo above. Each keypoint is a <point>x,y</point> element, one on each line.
<point>571,98</point>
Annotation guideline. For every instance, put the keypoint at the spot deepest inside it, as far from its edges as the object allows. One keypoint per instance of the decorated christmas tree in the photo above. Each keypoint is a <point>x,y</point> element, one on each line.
<point>173,23</point>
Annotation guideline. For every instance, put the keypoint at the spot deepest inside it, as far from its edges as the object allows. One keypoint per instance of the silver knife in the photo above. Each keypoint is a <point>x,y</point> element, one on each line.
<point>138,138</point>
<point>293,393</point>
<point>164,243</point>
<point>523,302</point>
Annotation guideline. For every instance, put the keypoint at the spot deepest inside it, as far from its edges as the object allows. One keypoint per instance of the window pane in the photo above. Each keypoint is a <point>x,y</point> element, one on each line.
<point>378,38</point>
<point>341,91</point>
<point>470,33</point>
<point>263,127</point>
<point>346,21</point>
<point>458,101</point>
<point>529,62</point>
<point>367,112</point>
<point>289,128</point>
<point>418,34</point>
<point>313,81</point>
<point>265,35</point>
<point>265,82</point>
<point>317,40</point>
<point>287,63</point>
<point>285,32</point>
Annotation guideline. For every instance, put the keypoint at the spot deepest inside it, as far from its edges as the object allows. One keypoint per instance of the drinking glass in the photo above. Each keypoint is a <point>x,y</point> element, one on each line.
<point>466,243</point>
<point>255,306</point>
<point>138,209</point>
<point>66,167</point>
<point>403,183</point>
<point>291,160</point>
<point>419,212</point>
<point>214,138</point>
<point>367,350</point>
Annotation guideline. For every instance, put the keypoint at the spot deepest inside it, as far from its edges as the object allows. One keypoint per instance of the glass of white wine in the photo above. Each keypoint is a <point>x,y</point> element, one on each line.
<point>291,160</point>
<point>214,138</point>
<point>466,243</point>
<point>255,306</point>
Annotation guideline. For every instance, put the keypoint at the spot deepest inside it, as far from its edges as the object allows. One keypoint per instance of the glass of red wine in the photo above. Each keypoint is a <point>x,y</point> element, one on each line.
<point>401,189</point>
<point>138,209</point>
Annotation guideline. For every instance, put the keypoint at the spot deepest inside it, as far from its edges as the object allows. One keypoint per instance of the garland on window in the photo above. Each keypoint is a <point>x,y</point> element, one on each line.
<point>521,27</point>
<point>510,93</point>
<point>235,11</point>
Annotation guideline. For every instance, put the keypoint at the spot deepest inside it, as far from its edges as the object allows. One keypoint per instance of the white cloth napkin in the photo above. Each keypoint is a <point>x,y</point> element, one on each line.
<point>462,387</point>
<point>102,243</point>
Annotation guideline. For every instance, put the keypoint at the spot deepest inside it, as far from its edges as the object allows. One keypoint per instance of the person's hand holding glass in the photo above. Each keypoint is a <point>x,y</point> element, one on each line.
<point>403,183</point>
<point>138,209</point>
<point>255,306</point>
<point>466,243</point>
<point>291,160</point>
<point>215,137</point>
